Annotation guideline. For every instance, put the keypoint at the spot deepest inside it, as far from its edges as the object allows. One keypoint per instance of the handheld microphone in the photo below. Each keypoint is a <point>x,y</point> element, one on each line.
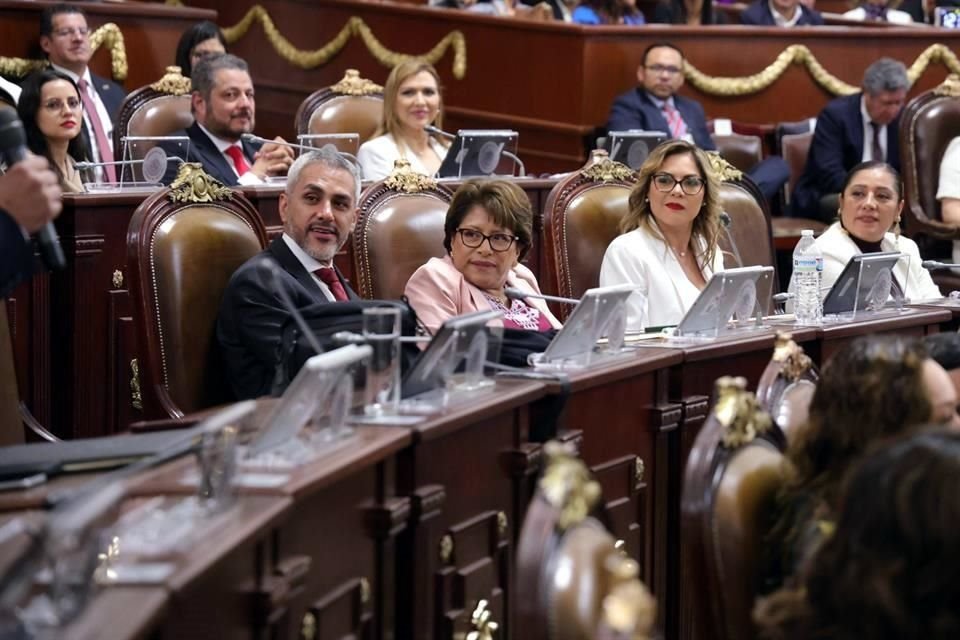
<point>934,265</point>
<point>13,149</point>
<point>439,132</point>
<point>517,294</point>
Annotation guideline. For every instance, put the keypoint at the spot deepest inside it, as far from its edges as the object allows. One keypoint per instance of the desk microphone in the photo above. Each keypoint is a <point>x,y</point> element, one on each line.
<point>13,149</point>
<point>439,132</point>
<point>252,138</point>
<point>518,294</point>
<point>727,222</point>
<point>933,265</point>
<point>277,277</point>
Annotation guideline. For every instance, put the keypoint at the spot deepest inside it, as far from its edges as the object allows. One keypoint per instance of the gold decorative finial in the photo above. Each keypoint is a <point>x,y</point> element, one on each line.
<point>404,178</point>
<point>446,549</point>
<point>639,468</point>
<point>173,82</point>
<point>738,411</point>
<point>502,523</point>
<point>723,169</point>
<point>194,185</point>
<point>308,626</point>
<point>602,169</point>
<point>949,87</point>
<point>484,626</point>
<point>353,85</point>
<point>795,361</point>
<point>568,485</point>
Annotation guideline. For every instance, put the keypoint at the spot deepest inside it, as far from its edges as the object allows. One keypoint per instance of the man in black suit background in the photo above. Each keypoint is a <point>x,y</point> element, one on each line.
<point>851,130</point>
<point>224,108</point>
<point>655,106</point>
<point>65,38</point>
<point>318,209</point>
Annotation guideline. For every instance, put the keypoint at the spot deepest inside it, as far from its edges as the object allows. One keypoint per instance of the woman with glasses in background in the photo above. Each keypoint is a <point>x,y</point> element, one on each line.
<point>487,232</point>
<point>668,247</point>
<point>52,114</point>
<point>201,40</point>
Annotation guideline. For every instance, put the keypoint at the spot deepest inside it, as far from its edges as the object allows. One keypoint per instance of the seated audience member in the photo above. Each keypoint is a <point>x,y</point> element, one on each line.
<point>318,208</point>
<point>224,109</point>
<point>411,102</point>
<point>878,11</point>
<point>851,130</point>
<point>202,39</point>
<point>870,206</point>
<point>948,190</point>
<point>30,197</point>
<point>688,12</point>
<point>487,232</point>
<point>944,348</point>
<point>780,13</point>
<point>669,244</point>
<point>65,38</point>
<point>888,571</point>
<point>52,114</point>
<point>608,12</point>
<point>656,106</point>
<point>874,388</point>
<point>9,91</point>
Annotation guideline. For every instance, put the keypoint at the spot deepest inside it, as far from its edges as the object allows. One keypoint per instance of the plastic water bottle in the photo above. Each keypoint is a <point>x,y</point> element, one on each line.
<point>807,267</point>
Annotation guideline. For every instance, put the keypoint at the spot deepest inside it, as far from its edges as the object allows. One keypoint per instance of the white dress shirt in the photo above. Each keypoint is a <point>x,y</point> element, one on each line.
<point>11,88</point>
<point>780,21</point>
<point>309,263</point>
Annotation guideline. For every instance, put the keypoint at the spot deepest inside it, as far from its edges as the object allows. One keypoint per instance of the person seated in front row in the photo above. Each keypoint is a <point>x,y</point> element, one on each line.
<point>869,221</point>
<point>51,110</point>
<point>487,232</point>
<point>669,242</point>
<point>318,209</point>
<point>878,11</point>
<point>780,13</point>
<point>224,109</point>
<point>948,190</point>
<point>411,101</point>
<point>888,572</point>
<point>200,40</point>
<point>610,12</point>
<point>874,388</point>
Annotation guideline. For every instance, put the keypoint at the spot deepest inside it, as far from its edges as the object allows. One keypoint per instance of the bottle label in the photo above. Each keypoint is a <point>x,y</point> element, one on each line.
<point>808,263</point>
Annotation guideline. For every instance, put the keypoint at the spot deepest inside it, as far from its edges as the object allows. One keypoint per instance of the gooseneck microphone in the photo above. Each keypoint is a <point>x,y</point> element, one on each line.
<point>934,265</point>
<point>439,132</point>
<point>13,149</point>
<point>518,294</point>
<point>252,138</point>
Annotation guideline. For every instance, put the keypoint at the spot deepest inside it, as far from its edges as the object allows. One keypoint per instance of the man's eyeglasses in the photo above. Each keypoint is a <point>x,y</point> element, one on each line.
<point>659,68</point>
<point>690,185</point>
<point>72,31</point>
<point>498,241</point>
<point>56,105</point>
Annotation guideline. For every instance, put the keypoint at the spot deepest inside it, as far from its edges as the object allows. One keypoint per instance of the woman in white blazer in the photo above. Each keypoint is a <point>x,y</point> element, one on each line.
<point>870,207</point>
<point>411,102</point>
<point>668,246</point>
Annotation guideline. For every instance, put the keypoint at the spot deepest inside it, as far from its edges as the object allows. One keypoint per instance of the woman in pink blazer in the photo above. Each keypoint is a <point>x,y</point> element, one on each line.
<point>488,230</point>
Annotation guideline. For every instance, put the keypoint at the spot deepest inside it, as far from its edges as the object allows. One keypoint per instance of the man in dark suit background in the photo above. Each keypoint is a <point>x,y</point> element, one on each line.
<point>318,210</point>
<point>780,13</point>
<point>65,38</point>
<point>851,130</point>
<point>224,108</point>
<point>655,106</point>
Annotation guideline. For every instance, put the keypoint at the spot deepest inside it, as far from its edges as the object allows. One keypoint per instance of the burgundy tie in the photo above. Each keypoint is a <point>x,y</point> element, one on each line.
<point>103,146</point>
<point>329,278</point>
<point>239,162</point>
<point>678,128</point>
<point>877,151</point>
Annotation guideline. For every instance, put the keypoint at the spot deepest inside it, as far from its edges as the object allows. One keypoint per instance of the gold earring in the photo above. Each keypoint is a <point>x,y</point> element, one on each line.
<point>896,230</point>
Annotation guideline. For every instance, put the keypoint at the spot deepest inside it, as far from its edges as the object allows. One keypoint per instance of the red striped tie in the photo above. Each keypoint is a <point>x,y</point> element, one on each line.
<point>678,128</point>
<point>99,133</point>
<point>329,278</point>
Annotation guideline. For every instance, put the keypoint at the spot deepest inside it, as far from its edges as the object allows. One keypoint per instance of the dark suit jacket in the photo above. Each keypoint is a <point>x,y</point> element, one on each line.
<point>111,94</point>
<point>836,148</point>
<point>16,255</point>
<point>635,110</point>
<point>204,151</point>
<point>759,14</point>
<point>252,316</point>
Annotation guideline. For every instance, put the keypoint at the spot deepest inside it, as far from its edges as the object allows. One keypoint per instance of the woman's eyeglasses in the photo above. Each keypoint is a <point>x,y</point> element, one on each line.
<point>56,105</point>
<point>690,185</point>
<point>498,241</point>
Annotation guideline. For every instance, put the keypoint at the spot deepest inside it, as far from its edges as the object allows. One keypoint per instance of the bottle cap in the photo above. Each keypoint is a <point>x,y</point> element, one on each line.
<point>806,232</point>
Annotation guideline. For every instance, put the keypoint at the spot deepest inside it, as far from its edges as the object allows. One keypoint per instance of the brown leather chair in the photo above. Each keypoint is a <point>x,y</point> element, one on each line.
<point>795,148</point>
<point>159,109</point>
<point>730,482</point>
<point>353,105</point>
<point>927,125</point>
<point>183,245</point>
<point>399,228</point>
<point>787,385</point>
<point>569,569</point>
<point>742,151</point>
<point>581,217</point>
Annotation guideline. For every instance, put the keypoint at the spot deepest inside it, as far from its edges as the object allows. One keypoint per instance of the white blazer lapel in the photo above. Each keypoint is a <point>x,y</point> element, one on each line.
<point>673,272</point>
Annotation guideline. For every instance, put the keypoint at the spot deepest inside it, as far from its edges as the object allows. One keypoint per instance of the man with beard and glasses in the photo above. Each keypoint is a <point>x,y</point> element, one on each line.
<point>224,108</point>
<point>318,210</point>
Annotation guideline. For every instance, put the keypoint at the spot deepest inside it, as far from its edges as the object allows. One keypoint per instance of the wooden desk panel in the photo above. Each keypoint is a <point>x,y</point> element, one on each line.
<point>911,322</point>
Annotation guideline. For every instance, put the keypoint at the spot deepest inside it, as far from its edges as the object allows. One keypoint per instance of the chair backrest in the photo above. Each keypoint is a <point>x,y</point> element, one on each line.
<point>795,147</point>
<point>581,217</point>
<point>742,151</point>
<point>748,240</point>
<point>787,385</point>
<point>568,563</point>
<point>353,105</point>
<point>183,245</point>
<point>159,109</point>
<point>730,483</point>
<point>927,125</point>
<point>399,228</point>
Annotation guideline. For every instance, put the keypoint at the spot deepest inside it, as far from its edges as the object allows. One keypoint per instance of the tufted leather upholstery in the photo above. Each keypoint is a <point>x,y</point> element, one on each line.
<point>748,241</point>
<point>742,151</point>
<point>396,233</point>
<point>331,110</point>
<point>180,257</point>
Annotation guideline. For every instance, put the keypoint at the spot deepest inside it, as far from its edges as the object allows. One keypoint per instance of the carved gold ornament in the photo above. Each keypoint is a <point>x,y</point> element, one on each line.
<point>353,85</point>
<point>194,185</point>
<point>603,169</point>
<point>630,610</point>
<point>364,591</point>
<point>355,27</point>
<point>108,35</point>
<point>484,626</point>
<point>638,469</point>
<point>795,361</point>
<point>404,178</point>
<point>173,82</point>
<point>117,279</point>
<point>724,171</point>
<point>568,485</point>
<point>949,87</point>
<point>308,626</point>
<point>738,411</point>
<point>136,398</point>
<point>502,523</point>
<point>446,549</point>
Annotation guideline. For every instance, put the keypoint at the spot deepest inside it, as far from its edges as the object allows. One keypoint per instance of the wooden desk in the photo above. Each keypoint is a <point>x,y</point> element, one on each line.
<point>910,322</point>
